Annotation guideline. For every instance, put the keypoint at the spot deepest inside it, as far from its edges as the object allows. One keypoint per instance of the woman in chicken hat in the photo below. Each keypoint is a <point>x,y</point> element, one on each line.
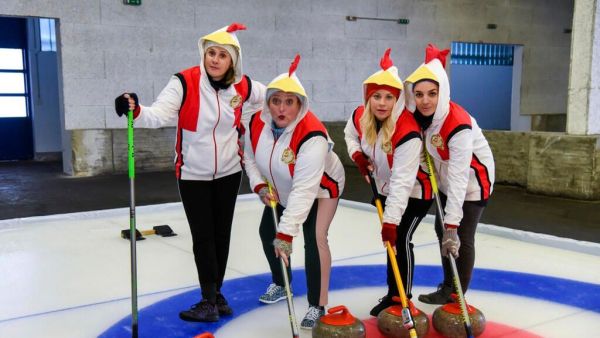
<point>205,102</point>
<point>385,139</point>
<point>463,163</point>
<point>289,148</point>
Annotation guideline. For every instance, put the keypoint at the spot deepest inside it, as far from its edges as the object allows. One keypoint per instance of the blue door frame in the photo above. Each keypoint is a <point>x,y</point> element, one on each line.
<point>16,133</point>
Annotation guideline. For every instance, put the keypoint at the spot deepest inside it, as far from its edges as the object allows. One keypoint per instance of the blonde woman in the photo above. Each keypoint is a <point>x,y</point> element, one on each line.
<point>384,139</point>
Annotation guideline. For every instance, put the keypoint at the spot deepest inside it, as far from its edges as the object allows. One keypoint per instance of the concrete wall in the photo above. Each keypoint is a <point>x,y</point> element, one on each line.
<point>98,151</point>
<point>584,83</point>
<point>545,163</point>
<point>511,156</point>
<point>548,163</point>
<point>108,48</point>
<point>563,165</point>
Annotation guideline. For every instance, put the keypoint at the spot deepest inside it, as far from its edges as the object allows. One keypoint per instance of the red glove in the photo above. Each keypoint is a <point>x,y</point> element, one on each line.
<point>283,247</point>
<point>388,233</point>
<point>361,162</point>
<point>284,237</point>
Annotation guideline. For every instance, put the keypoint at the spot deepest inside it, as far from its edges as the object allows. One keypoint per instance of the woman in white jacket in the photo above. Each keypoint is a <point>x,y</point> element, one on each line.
<point>385,139</point>
<point>288,147</point>
<point>463,163</point>
<point>205,103</point>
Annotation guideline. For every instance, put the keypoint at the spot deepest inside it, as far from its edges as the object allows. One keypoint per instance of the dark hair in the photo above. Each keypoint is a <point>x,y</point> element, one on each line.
<point>423,80</point>
<point>229,76</point>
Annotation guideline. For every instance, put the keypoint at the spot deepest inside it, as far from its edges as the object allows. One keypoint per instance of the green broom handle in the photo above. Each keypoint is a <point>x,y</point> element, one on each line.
<point>132,234</point>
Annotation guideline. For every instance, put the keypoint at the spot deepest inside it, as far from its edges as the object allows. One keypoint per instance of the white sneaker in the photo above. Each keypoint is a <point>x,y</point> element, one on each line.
<point>273,294</point>
<point>313,314</point>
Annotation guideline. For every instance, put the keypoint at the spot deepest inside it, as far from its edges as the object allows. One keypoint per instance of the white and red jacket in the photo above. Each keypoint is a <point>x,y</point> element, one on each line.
<point>398,175</point>
<point>208,121</point>
<point>300,165</point>
<point>462,157</point>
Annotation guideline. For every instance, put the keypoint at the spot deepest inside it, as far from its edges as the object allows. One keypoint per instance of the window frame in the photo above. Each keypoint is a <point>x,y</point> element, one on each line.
<point>26,84</point>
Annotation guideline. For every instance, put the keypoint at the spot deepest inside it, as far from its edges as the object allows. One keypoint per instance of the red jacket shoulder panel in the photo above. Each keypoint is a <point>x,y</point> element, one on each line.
<point>256,126</point>
<point>356,115</point>
<point>457,119</point>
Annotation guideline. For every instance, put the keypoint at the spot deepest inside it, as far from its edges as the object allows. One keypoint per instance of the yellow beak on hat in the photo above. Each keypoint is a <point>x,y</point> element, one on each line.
<point>287,84</point>
<point>422,73</point>
<point>384,77</point>
<point>222,37</point>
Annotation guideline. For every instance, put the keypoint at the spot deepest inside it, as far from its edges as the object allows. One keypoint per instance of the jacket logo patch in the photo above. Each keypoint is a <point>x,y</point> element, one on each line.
<point>288,156</point>
<point>387,147</point>
<point>235,101</point>
<point>437,141</point>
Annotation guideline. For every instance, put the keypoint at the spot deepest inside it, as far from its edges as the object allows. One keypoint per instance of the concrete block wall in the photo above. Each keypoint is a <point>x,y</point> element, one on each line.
<point>511,155</point>
<point>554,164</point>
<point>564,165</point>
<point>108,48</point>
<point>101,151</point>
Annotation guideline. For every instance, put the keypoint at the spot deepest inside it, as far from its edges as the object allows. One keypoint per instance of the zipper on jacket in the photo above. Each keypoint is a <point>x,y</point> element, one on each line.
<point>374,163</point>
<point>271,161</point>
<point>214,131</point>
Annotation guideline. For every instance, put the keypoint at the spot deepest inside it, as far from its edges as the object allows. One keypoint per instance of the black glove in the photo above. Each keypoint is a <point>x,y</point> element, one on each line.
<point>122,104</point>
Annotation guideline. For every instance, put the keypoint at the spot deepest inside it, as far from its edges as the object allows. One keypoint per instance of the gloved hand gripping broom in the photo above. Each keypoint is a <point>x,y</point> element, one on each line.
<point>132,234</point>
<point>455,279</point>
<point>286,280</point>
<point>407,320</point>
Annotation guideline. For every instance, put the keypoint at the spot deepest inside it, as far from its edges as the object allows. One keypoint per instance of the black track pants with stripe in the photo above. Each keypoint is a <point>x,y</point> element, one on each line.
<point>416,209</point>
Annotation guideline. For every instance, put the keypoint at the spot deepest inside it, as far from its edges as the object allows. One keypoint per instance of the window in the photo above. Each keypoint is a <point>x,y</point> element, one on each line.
<point>13,88</point>
<point>467,53</point>
<point>47,35</point>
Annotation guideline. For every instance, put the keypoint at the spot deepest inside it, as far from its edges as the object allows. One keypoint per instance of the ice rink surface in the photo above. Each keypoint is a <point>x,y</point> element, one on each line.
<point>69,276</point>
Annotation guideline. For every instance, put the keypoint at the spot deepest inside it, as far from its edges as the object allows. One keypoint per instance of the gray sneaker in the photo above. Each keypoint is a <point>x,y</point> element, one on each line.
<point>313,314</point>
<point>273,294</point>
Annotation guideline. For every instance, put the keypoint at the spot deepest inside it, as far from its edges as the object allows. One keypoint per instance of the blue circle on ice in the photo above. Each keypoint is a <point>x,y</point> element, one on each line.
<point>161,319</point>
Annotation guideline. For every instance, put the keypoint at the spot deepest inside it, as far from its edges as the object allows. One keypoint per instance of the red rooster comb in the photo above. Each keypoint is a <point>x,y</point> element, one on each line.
<point>432,52</point>
<point>236,26</point>
<point>294,65</point>
<point>386,61</point>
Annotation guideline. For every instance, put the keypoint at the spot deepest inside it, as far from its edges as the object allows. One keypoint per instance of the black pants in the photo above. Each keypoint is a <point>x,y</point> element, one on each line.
<point>466,233</point>
<point>209,207</point>
<point>416,209</point>
<point>311,251</point>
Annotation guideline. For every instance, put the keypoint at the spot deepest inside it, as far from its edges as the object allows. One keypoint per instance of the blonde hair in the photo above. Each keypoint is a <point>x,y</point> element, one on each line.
<point>368,125</point>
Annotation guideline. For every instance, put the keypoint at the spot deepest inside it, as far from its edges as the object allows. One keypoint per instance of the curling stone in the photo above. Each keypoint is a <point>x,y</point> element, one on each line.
<point>205,335</point>
<point>338,323</point>
<point>391,322</point>
<point>447,320</point>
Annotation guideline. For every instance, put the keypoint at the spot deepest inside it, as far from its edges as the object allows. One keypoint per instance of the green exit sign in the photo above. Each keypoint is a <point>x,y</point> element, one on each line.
<point>132,2</point>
